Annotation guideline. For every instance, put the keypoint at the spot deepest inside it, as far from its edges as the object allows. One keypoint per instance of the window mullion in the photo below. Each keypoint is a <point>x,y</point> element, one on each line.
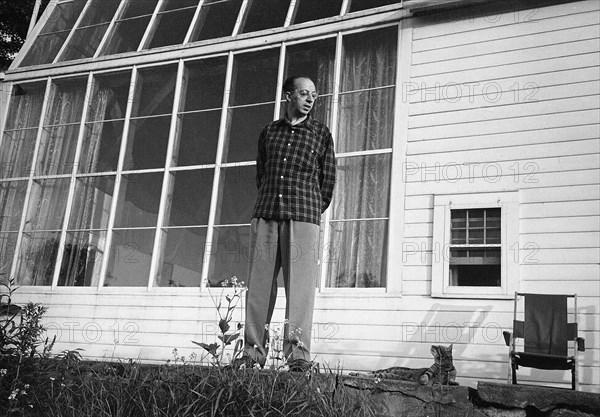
<point>345,7</point>
<point>110,27</point>
<point>70,35</point>
<point>217,174</point>
<point>36,147</point>
<point>280,70</point>
<point>150,28</point>
<point>167,183</point>
<point>290,13</point>
<point>337,76</point>
<point>193,23</point>
<point>240,19</point>
<point>71,195</point>
<point>118,179</point>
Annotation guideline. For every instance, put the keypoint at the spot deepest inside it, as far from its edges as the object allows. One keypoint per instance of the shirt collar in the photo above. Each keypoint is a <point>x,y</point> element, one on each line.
<point>308,122</point>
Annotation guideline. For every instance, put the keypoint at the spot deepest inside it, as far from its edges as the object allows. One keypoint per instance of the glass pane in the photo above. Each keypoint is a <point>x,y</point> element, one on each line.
<point>183,257</point>
<point>205,83</point>
<point>254,77</point>
<point>458,218</point>
<point>37,257</point>
<point>199,135</point>
<point>47,203</point>
<point>101,146</point>
<point>316,9</point>
<point>265,14</point>
<point>126,35</point>
<point>56,153</point>
<point>8,243</point>
<point>63,16</point>
<point>44,48</point>
<point>237,195</point>
<point>362,187</point>
<point>475,275</point>
<point>492,236</point>
<point>130,258</point>
<point>66,101</point>
<point>314,60</point>
<point>458,236</point>
<point>366,120</point>
<point>147,143</point>
<point>154,91</point>
<point>54,33</point>
<point>83,43</point>
<point>16,153</point>
<point>229,254</point>
<point>12,198</point>
<point>91,203</point>
<point>356,5</point>
<point>139,8</point>
<point>369,59</point>
<point>25,105</point>
<point>216,19</point>
<point>171,27</point>
<point>190,199</point>
<point>476,236</point>
<point>243,127</point>
<point>99,11</point>
<point>357,254</point>
<point>139,198</point>
<point>110,96</point>
<point>475,218</point>
<point>82,259</point>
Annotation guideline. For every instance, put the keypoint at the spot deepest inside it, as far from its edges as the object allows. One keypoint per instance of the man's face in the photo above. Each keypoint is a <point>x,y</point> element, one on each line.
<point>301,100</point>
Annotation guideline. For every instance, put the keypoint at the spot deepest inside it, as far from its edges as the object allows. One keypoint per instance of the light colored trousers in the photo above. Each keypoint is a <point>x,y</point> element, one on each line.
<point>294,247</point>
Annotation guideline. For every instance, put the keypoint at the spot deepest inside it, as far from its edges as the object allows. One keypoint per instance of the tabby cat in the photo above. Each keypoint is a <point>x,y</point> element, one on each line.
<point>441,372</point>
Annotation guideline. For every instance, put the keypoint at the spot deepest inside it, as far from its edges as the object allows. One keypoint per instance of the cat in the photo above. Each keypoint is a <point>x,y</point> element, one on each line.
<point>441,372</point>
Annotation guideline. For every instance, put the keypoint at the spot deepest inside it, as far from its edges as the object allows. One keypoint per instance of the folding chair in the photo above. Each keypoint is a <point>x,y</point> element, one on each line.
<point>546,333</point>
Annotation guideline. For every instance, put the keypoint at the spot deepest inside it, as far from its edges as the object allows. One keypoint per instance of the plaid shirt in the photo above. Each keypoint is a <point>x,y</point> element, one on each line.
<point>295,171</point>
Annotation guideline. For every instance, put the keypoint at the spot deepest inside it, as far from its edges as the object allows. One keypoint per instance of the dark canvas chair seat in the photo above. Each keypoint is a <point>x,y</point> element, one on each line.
<point>546,333</point>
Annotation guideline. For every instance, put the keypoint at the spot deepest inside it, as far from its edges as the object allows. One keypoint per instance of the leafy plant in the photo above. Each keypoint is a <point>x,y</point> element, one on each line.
<point>226,336</point>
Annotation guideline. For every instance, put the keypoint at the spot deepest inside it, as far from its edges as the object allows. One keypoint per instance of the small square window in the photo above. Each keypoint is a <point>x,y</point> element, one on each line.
<point>473,237</point>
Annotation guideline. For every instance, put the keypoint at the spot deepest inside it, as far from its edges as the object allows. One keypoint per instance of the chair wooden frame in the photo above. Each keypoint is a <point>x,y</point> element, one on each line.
<point>549,358</point>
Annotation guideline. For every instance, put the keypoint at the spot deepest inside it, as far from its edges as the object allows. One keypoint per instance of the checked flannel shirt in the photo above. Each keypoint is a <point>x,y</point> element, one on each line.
<point>295,171</point>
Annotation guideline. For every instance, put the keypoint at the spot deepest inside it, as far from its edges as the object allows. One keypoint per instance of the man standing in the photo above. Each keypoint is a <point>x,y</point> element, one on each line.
<point>295,175</point>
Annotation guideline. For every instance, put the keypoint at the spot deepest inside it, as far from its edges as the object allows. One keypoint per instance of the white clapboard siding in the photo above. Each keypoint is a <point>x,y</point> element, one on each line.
<point>507,101</point>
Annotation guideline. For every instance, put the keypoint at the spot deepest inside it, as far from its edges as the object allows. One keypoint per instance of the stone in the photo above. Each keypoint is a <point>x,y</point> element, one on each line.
<point>499,412</point>
<point>544,399</point>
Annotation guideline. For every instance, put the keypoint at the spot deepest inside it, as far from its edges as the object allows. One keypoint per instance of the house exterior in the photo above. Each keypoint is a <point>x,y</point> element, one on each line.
<point>467,141</point>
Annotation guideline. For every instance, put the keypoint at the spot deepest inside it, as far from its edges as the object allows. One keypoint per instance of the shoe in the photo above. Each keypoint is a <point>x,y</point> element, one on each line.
<point>302,365</point>
<point>245,362</point>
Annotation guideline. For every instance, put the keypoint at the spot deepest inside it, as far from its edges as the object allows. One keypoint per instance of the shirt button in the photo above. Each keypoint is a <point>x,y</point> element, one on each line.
<point>289,144</point>
<point>285,159</point>
<point>280,195</point>
<point>282,177</point>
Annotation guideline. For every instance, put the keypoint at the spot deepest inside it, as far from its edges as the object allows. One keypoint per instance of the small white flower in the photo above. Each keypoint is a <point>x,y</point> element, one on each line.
<point>3,372</point>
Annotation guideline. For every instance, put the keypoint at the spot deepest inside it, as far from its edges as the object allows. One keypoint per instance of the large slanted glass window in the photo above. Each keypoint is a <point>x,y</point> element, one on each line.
<point>12,198</point>
<point>265,14</point>
<point>307,10</point>
<point>128,30</point>
<point>16,153</point>
<point>56,152</point>
<point>172,23</point>
<point>54,33</point>
<point>357,5</point>
<point>357,241</point>
<point>92,27</point>
<point>18,141</point>
<point>216,19</point>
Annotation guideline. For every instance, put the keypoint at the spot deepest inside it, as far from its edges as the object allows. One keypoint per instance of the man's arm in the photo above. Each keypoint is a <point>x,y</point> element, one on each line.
<point>327,174</point>
<point>261,158</point>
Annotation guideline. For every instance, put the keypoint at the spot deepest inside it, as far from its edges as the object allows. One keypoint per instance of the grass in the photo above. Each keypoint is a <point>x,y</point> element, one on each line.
<point>132,389</point>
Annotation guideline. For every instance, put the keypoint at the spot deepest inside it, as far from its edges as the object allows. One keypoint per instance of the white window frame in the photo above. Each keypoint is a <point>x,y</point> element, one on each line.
<point>508,202</point>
